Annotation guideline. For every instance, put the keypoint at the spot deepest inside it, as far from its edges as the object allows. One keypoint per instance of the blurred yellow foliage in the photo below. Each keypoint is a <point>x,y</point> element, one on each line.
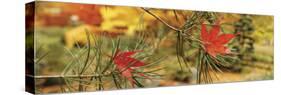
<point>78,35</point>
<point>125,18</point>
<point>129,19</point>
<point>264,28</point>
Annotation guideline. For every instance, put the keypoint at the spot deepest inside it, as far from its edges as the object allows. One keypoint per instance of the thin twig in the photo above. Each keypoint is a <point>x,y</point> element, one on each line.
<point>158,18</point>
<point>88,53</point>
<point>68,76</point>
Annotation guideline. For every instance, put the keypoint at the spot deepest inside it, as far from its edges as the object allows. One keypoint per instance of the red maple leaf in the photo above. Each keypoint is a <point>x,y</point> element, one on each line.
<point>125,64</point>
<point>214,43</point>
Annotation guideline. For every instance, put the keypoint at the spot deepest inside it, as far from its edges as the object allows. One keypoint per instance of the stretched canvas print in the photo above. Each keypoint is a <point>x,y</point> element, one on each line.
<point>72,47</point>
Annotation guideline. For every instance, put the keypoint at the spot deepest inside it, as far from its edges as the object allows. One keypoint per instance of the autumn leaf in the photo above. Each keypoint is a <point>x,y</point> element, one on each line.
<point>214,43</point>
<point>126,64</point>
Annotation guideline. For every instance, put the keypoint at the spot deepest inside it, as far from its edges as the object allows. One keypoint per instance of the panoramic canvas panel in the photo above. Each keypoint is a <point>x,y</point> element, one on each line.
<point>72,47</point>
